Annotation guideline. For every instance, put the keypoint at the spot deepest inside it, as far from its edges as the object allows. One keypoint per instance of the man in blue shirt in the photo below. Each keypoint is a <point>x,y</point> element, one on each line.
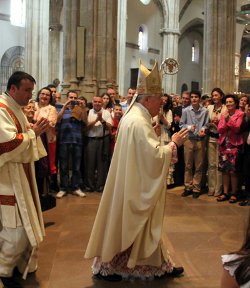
<point>195,119</point>
<point>72,117</point>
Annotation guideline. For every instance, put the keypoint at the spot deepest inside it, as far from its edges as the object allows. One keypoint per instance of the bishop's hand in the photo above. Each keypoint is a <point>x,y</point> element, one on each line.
<point>180,137</point>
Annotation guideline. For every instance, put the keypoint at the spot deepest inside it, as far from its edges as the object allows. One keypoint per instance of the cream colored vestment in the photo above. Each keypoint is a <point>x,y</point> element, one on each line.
<point>18,151</point>
<point>131,210</point>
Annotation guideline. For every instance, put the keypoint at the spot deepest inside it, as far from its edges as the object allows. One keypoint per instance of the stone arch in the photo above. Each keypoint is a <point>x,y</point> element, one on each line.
<point>12,60</point>
<point>190,33</point>
<point>163,7</point>
<point>196,25</point>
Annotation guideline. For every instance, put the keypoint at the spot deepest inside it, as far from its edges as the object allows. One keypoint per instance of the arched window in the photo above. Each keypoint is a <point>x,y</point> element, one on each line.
<point>140,38</point>
<point>195,51</point>
<point>145,2</point>
<point>143,38</point>
<point>18,12</point>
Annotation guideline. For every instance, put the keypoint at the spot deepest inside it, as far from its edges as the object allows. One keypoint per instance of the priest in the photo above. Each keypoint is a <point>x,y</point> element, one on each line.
<point>21,222</point>
<point>126,239</point>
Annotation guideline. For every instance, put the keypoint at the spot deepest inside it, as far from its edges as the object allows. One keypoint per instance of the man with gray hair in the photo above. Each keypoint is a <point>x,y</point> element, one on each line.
<point>126,239</point>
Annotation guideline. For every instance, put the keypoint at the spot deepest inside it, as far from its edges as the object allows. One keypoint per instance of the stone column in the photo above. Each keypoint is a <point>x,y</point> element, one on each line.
<point>170,43</point>
<point>36,46</point>
<point>121,44</point>
<point>219,45</point>
<point>55,33</point>
<point>99,19</point>
<point>106,44</point>
<point>88,20</point>
<point>70,9</point>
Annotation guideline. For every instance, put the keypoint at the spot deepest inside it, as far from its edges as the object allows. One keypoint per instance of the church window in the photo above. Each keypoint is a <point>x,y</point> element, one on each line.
<point>143,37</point>
<point>195,52</point>
<point>145,2</point>
<point>140,38</point>
<point>17,12</point>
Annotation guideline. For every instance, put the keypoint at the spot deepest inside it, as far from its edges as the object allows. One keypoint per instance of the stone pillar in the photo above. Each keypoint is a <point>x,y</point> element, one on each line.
<point>36,38</point>
<point>170,43</point>
<point>121,44</point>
<point>88,20</point>
<point>99,19</point>
<point>70,81</point>
<point>55,33</point>
<point>219,45</point>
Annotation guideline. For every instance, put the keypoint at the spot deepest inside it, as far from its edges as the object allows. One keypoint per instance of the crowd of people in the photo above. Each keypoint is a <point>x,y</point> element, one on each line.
<point>211,161</point>
<point>214,159</point>
<point>200,142</point>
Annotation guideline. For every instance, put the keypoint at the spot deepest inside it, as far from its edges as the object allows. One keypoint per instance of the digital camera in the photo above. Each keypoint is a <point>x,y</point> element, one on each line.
<point>74,102</point>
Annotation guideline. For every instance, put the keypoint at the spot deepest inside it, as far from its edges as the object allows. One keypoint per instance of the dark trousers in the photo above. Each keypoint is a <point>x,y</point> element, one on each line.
<point>179,168</point>
<point>67,151</point>
<point>97,158</point>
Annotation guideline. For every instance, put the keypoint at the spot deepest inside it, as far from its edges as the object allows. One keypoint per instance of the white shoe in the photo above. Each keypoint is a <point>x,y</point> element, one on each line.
<point>60,194</point>
<point>79,193</point>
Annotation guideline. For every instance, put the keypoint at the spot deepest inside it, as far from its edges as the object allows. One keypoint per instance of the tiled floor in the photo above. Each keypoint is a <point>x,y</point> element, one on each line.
<point>197,232</point>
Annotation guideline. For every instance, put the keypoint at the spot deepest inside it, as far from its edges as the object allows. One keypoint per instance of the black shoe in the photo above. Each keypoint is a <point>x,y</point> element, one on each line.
<point>186,193</point>
<point>170,186</point>
<point>110,278</point>
<point>196,195</point>
<point>9,282</point>
<point>177,271</point>
<point>245,202</point>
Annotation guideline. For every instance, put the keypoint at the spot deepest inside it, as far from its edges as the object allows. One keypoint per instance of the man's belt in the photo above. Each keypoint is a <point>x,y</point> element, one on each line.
<point>9,200</point>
